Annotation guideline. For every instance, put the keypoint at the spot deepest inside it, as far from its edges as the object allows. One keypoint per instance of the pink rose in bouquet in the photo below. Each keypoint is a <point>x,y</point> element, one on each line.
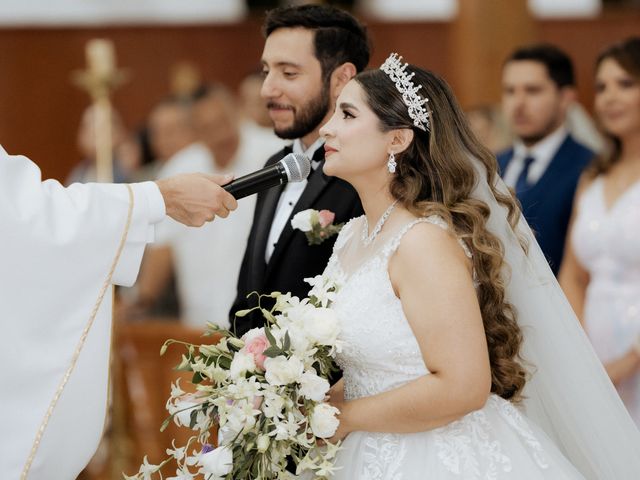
<point>256,342</point>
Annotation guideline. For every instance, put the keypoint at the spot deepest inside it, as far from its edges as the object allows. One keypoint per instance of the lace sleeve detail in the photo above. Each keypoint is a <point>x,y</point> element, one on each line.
<point>394,243</point>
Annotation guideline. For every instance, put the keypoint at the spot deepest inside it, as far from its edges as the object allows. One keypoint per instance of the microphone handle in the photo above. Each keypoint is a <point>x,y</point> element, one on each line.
<point>257,181</point>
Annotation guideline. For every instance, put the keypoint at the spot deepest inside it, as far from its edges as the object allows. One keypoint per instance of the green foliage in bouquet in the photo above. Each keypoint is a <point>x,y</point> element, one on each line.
<point>265,392</point>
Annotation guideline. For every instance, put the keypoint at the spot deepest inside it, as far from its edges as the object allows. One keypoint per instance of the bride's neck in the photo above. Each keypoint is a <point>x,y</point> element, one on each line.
<point>375,204</point>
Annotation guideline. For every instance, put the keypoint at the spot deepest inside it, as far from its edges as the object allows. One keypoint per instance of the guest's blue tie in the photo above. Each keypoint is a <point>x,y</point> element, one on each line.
<point>522,183</point>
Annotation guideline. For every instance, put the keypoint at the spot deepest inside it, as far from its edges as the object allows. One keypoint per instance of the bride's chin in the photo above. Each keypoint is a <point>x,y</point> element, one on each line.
<point>329,168</point>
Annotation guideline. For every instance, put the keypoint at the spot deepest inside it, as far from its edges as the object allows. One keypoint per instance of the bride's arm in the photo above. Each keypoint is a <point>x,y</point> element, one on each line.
<point>432,277</point>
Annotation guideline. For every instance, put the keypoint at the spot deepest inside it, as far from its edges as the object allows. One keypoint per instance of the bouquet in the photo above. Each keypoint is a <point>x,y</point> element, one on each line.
<point>264,391</point>
<point>317,225</point>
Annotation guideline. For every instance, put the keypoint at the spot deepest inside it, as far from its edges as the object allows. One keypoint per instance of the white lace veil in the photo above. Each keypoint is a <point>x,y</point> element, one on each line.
<point>569,393</point>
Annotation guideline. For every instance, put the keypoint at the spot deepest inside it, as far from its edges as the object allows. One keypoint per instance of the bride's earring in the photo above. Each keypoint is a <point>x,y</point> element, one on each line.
<point>391,163</point>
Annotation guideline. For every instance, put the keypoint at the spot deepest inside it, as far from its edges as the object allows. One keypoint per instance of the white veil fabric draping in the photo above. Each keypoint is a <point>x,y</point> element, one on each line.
<point>569,394</point>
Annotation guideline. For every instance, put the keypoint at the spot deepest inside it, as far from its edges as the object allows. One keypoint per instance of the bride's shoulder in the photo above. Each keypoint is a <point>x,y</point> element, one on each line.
<point>429,237</point>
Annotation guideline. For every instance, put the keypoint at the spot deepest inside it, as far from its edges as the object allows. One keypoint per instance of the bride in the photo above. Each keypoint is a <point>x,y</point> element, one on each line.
<point>461,357</point>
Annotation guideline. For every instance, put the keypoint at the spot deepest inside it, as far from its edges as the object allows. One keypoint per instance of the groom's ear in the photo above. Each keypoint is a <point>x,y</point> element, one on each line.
<point>340,77</point>
<point>401,138</point>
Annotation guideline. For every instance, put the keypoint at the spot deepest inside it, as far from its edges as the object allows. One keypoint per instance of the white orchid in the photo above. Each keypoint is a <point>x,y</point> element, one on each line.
<point>263,392</point>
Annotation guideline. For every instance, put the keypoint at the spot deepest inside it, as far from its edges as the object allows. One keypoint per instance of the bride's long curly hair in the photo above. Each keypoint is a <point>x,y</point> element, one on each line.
<point>435,175</point>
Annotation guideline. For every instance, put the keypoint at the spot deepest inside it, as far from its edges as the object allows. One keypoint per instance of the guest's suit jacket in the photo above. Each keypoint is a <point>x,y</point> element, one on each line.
<point>547,204</point>
<point>293,259</point>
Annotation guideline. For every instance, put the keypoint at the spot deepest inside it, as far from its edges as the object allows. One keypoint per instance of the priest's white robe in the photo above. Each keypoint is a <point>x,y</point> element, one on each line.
<point>57,246</point>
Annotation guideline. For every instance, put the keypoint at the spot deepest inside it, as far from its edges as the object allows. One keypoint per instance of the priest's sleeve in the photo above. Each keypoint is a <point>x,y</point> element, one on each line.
<point>61,249</point>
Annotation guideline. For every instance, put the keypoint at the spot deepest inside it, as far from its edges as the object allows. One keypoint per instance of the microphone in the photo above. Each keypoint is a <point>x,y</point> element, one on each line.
<point>295,167</point>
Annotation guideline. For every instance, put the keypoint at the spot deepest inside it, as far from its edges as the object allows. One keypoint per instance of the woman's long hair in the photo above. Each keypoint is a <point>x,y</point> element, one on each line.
<point>627,55</point>
<point>435,175</point>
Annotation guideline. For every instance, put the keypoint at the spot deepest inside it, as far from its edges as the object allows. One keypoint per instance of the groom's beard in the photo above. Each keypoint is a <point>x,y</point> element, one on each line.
<point>308,118</point>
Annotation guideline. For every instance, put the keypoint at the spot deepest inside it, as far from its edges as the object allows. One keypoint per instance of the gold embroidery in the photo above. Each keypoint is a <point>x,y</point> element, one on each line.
<point>81,342</point>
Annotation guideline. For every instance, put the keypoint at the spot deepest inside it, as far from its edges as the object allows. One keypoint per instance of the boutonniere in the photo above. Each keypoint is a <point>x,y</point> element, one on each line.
<point>316,225</point>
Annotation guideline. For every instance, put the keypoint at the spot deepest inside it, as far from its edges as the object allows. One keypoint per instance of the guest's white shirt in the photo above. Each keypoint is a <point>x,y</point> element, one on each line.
<point>207,259</point>
<point>542,152</point>
<point>192,158</point>
<point>289,197</point>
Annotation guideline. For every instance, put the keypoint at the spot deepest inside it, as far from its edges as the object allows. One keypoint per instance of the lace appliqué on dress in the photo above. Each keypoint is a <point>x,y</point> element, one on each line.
<point>519,424</point>
<point>464,446</point>
<point>461,443</point>
<point>384,455</point>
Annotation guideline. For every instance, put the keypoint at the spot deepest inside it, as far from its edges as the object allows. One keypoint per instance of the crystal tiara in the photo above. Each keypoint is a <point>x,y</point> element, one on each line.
<point>395,69</point>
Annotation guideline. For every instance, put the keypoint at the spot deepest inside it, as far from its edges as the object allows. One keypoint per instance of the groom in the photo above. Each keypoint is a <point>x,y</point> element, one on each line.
<point>310,53</point>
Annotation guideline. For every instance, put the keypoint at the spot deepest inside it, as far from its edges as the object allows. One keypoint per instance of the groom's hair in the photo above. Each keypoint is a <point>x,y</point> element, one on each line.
<point>339,37</point>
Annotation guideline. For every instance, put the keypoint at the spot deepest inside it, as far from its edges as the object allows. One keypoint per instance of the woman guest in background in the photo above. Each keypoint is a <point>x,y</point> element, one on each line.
<point>600,273</point>
<point>453,325</point>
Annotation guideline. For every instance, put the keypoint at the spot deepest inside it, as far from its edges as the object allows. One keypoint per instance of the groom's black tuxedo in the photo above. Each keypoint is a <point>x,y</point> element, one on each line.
<point>293,259</point>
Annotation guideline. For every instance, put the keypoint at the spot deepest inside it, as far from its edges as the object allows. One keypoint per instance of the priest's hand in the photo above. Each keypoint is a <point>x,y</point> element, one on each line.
<point>196,198</point>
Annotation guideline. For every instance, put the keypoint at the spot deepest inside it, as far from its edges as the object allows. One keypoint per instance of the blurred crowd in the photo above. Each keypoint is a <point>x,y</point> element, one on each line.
<point>577,179</point>
<point>188,273</point>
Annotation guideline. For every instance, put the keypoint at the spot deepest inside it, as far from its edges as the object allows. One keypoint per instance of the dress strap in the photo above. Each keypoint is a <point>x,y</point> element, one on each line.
<point>394,243</point>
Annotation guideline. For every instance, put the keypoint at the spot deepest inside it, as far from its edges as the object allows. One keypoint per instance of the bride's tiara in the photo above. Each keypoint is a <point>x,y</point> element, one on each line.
<point>393,67</point>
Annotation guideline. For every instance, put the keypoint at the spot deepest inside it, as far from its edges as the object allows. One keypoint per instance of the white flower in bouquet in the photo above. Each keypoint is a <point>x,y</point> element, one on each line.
<point>235,416</point>
<point>304,220</point>
<point>216,373</point>
<point>282,370</point>
<point>324,289</point>
<point>273,405</point>
<point>246,389</point>
<point>286,429</point>
<point>263,392</point>
<point>300,343</point>
<point>176,452</point>
<point>285,302</point>
<point>322,326</point>
<point>182,410</point>
<point>324,420</point>
<point>241,364</point>
<point>181,475</point>
<point>262,443</point>
<point>313,387</point>
<point>217,463</point>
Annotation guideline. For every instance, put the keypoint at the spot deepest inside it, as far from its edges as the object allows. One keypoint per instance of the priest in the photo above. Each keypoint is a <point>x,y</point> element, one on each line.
<point>61,251</point>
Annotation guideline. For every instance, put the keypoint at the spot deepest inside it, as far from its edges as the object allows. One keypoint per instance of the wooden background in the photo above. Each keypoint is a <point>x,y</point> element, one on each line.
<point>40,108</point>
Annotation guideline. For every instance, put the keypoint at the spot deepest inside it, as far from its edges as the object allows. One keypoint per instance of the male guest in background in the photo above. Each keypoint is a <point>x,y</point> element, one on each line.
<point>310,53</point>
<point>544,163</point>
<point>206,261</point>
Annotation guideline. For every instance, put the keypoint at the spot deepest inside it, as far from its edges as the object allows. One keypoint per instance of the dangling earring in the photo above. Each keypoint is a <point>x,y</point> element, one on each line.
<point>391,163</point>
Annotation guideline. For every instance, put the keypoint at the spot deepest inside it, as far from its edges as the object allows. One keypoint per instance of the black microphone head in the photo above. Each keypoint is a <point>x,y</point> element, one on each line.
<point>297,166</point>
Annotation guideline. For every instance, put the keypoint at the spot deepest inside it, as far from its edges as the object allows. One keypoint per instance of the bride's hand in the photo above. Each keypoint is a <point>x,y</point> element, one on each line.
<point>336,399</point>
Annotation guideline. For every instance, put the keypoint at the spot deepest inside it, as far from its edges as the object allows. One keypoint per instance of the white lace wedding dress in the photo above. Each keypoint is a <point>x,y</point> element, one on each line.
<point>381,353</point>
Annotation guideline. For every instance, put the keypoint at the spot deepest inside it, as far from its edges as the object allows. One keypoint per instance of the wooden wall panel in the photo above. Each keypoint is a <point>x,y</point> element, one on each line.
<point>40,108</point>
<point>583,40</point>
